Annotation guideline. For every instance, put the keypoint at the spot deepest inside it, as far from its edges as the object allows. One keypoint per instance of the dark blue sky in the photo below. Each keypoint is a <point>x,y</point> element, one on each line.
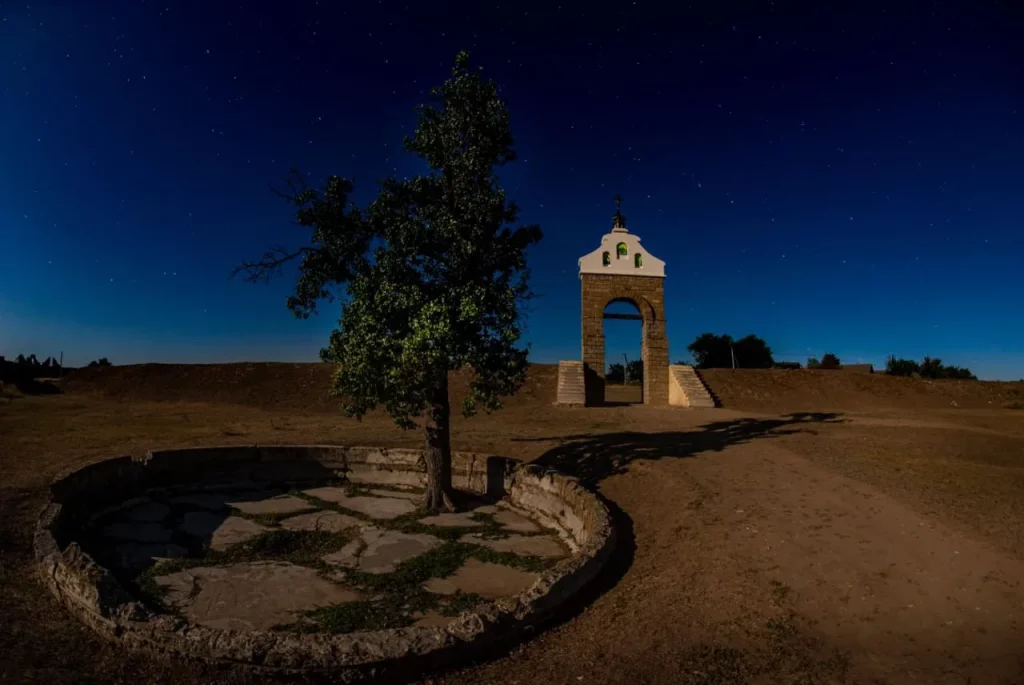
<point>833,177</point>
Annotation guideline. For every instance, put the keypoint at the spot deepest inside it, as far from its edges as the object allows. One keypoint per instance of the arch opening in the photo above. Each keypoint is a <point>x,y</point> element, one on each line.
<point>623,328</point>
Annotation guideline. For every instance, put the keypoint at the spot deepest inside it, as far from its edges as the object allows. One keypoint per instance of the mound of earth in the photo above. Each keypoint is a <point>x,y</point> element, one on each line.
<point>306,387</point>
<point>263,384</point>
<point>776,390</point>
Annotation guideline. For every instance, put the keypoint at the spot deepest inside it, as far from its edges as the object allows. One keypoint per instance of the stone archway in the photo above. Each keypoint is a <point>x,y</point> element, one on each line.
<point>646,293</point>
<point>622,270</point>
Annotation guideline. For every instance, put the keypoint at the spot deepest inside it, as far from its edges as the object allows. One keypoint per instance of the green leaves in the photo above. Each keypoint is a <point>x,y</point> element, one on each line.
<point>433,270</point>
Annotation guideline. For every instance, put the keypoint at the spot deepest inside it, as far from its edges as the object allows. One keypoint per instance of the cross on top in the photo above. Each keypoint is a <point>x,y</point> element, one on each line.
<point>618,221</point>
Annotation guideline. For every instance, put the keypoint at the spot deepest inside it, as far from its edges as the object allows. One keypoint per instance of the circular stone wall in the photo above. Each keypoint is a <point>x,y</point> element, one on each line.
<point>98,595</point>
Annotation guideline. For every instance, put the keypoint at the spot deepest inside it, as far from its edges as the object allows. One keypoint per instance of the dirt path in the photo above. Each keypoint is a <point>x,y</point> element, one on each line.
<point>816,548</point>
<point>754,565</point>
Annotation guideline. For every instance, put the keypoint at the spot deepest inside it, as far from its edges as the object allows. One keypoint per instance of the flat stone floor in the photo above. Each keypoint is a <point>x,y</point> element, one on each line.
<point>219,581</point>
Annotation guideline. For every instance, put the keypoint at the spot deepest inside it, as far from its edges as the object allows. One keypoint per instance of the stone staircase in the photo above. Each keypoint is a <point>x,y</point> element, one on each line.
<point>572,388</point>
<point>686,389</point>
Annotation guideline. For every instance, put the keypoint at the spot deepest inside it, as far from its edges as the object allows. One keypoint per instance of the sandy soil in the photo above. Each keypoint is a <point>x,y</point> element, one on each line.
<point>853,546</point>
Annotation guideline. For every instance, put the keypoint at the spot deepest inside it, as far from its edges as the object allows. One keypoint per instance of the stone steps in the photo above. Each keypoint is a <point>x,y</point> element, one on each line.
<point>571,383</point>
<point>687,389</point>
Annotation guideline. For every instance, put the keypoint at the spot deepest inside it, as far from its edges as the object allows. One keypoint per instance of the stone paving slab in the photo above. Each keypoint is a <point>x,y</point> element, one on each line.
<point>137,531</point>
<point>542,546</point>
<point>374,507</point>
<point>330,521</point>
<point>282,504</point>
<point>380,551</point>
<point>515,522</point>
<point>218,531</point>
<point>255,596</point>
<point>413,496</point>
<point>490,581</point>
<point>452,520</point>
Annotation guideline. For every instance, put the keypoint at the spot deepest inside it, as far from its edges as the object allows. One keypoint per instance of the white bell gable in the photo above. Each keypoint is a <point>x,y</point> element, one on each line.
<point>609,258</point>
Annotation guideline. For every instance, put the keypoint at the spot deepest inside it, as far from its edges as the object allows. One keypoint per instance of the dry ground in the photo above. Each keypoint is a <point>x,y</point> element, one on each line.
<point>853,544</point>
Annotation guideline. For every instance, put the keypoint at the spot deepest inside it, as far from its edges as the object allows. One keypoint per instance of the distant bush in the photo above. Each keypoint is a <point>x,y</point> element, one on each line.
<point>901,367</point>
<point>102,362</point>
<point>813,363</point>
<point>933,368</point>
<point>616,373</point>
<point>788,365</point>
<point>829,361</point>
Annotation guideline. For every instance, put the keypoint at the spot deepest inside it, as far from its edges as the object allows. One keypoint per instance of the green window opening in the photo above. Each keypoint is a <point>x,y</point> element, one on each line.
<point>621,250</point>
<point>606,259</point>
<point>638,260</point>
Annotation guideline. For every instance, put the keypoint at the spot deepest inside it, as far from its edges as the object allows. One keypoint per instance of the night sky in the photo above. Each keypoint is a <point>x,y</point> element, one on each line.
<point>834,177</point>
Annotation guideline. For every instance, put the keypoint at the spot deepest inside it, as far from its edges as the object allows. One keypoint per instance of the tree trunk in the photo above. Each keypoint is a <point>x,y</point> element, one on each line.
<point>438,452</point>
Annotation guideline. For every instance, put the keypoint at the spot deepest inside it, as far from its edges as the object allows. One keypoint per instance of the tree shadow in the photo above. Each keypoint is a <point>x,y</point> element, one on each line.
<point>32,386</point>
<point>593,457</point>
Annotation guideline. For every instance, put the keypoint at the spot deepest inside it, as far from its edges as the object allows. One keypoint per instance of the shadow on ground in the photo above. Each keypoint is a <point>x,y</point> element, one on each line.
<point>593,457</point>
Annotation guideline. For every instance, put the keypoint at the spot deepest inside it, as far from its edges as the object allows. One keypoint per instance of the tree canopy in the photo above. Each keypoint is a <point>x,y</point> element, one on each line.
<point>432,270</point>
<point>712,351</point>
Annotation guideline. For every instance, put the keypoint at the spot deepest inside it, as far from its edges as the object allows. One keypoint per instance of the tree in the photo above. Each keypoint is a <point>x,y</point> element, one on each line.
<point>930,368</point>
<point>711,351</point>
<point>432,271</point>
<point>934,368</point>
<point>813,363</point>
<point>616,373</point>
<point>829,361</point>
<point>958,372</point>
<point>753,353</point>
<point>901,367</point>
<point>635,371</point>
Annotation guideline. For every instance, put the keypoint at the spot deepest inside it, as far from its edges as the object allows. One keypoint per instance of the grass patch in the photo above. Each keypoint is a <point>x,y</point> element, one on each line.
<point>301,547</point>
<point>523,563</point>
<point>440,562</point>
<point>389,611</point>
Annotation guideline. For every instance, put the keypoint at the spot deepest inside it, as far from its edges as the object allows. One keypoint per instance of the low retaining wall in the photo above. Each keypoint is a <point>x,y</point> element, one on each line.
<point>96,597</point>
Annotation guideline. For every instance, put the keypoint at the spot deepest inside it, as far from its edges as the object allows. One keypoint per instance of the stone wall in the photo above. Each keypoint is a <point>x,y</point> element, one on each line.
<point>93,594</point>
<point>648,294</point>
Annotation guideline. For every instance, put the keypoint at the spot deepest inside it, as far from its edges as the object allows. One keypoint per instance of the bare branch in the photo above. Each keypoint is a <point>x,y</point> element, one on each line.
<point>267,266</point>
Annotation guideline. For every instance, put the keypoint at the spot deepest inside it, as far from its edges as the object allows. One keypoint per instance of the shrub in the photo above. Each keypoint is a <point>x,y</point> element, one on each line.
<point>813,363</point>
<point>787,365</point>
<point>829,361</point>
<point>616,373</point>
<point>901,367</point>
